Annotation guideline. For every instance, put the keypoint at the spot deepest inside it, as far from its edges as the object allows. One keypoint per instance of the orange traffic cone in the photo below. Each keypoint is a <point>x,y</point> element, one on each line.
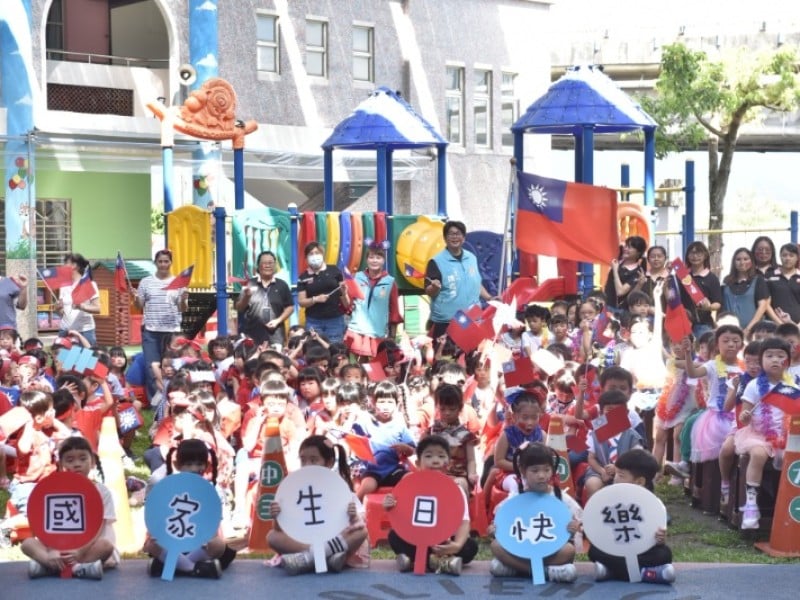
<point>272,472</point>
<point>110,451</point>
<point>557,440</point>
<point>784,538</point>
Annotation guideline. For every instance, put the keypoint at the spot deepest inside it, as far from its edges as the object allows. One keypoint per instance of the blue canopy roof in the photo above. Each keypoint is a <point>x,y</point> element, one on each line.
<point>383,119</point>
<point>584,96</point>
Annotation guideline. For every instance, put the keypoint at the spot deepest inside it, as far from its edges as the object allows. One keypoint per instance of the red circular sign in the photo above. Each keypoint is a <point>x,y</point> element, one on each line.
<point>430,507</point>
<point>65,511</point>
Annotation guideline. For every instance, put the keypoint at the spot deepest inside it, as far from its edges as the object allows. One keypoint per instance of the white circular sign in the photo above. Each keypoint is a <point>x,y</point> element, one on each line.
<point>313,503</point>
<point>622,520</point>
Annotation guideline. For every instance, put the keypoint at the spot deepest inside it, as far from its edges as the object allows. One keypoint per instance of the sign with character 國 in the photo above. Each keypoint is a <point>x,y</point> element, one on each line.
<point>182,512</point>
<point>622,520</point>
<point>313,503</point>
<point>65,511</point>
<point>533,526</point>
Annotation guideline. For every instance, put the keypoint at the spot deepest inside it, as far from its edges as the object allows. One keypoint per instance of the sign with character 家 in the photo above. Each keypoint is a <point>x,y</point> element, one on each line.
<point>65,511</point>
<point>533,526</point>
<point>313,503</point>
<point>622,520</point>
<point>182,512</point>
<point>430,507</point>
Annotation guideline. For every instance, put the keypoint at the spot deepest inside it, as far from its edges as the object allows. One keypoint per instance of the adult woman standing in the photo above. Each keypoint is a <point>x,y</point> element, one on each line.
<point>657,271</point>
<point>162,313</point>
<point>764,255</point>
<point>265,303</point>
<point>78,316</point>
<point>322,292</point>
<point>375,318</point>
<point>626,270</point>
<point>784,287</point>
<point>745,292</point>
<point>698,260</point>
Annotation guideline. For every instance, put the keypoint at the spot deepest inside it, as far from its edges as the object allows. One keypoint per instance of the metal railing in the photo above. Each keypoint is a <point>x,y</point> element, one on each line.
<point>107,59</point>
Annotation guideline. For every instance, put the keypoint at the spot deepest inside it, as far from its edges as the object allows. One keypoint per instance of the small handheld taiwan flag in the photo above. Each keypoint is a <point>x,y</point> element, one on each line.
<point>468,333</point>
<point>120,275</point>
<point>83,290</point>
<point>676,321</point>
<point>412,273</point>
<point>612,423</point>
<point>182,280</point>
<point>57,277</point>
<point>353,289</point>
<point>784,397</point>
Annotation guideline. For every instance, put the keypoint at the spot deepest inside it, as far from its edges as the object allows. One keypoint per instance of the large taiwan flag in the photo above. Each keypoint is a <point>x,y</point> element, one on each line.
<point>574,221</point>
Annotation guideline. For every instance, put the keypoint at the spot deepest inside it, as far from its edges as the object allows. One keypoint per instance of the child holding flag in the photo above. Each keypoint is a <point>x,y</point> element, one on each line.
<point>765,403</point>
<point>79,301</point>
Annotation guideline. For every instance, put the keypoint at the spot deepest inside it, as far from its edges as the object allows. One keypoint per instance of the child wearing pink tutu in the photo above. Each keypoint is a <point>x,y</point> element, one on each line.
<point>763,434</point>
<point>715,423</point>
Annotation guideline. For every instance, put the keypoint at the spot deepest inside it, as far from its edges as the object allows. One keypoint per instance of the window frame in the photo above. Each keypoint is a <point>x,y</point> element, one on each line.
<point>368,55</point>
<point>484,98</point>
<point>322,50</point>
<point>274,45</point>
<point>508,100</point>
<point>455,95</point>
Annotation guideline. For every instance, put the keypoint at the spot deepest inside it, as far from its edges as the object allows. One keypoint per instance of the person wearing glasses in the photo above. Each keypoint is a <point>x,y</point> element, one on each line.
<point>265,303</point>
<point>698,259</point>
<point>452,279</point>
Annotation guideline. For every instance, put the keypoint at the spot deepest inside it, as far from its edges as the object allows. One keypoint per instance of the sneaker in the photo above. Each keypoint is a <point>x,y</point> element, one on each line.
<point>601,572</point>
<point>299,562</point>
<point>724,494</point>
<point>336,562</point>
<point>678,469</point>
<point>5,538</point>
<point>450,565</point>
<point>499,569</point>
<point>37,570</point>
<point>403,563</point>
<point>659,574</point>
<point>92,570</point>
<point>207,569</point>
<point>155,567</point>
<point>128,464</point>
<point>562,573</point>
<point>675,481</point>
<point>750,516</point>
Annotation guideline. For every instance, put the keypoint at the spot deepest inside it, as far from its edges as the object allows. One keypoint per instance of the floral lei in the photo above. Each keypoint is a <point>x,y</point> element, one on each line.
<point>718,403</point>
<point>677,391</point>
<point>767,419</point>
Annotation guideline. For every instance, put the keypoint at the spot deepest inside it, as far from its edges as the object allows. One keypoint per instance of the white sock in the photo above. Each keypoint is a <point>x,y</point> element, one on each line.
<point>183,564</point>
<point>198,555</point>
<point>335,545</point>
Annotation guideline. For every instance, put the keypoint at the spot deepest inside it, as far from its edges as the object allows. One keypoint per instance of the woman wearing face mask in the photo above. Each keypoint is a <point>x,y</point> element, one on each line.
<point>322,292</point>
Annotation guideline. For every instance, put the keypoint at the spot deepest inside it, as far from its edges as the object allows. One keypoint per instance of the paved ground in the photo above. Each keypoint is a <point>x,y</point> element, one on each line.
<point>251,579</point>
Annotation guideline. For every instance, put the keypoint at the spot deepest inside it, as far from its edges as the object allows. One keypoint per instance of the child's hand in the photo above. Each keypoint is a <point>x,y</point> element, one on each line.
<point>403,449</point>
<point>745,416</point>
<point>473,479</point>
<point>275,510</point>
<point>661,535</point>
<point>389,502</point>
<point>352,512</point>
<point>573,526</point>
<point>610,470</point>
<point>491,529</point>
<point>449,548</point>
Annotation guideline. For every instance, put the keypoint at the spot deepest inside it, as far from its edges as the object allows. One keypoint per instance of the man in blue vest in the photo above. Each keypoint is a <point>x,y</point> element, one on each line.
<point>452,278</point>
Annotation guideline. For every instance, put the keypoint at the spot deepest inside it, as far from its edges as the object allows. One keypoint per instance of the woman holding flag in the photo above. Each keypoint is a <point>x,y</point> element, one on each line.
<point>79,301</point>
<point>322,292</point>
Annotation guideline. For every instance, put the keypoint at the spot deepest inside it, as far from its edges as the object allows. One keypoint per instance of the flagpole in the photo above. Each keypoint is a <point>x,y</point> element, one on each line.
<point>44,281</point>
<point>507,231</point>
<point>125,270</point>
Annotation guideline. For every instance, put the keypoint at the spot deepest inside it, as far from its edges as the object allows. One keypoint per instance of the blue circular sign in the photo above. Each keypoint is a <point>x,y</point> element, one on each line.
<point>182,512</point>
<point>533,526</point>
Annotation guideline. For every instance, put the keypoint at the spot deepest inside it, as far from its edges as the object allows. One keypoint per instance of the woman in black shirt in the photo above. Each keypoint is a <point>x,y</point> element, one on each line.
<point>322,292</point>
<point>698,260</point>
<point>784,287</point>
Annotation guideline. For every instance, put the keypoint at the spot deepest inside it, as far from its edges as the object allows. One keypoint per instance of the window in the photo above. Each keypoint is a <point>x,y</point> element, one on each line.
<point>454,99</point>
<point>482,108</point>
<point>509,107</point>
<point>363,53</point>
<point>268,44</point>
<point>53,227</point>
<point>317,48</point>
<point>54,31</point>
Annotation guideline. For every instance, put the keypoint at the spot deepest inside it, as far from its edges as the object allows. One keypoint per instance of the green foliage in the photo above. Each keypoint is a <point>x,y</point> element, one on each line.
<point>156,220</point>
<point>699,99</point>
<point>21,250</point>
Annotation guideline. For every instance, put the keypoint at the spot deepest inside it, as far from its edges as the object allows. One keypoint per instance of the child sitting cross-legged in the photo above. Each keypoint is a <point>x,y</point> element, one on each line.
<point>433,453</point>
<point>639,467</point>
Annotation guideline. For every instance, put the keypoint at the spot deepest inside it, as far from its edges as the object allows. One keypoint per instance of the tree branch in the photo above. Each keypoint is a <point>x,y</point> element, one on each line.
<point>707,125</point>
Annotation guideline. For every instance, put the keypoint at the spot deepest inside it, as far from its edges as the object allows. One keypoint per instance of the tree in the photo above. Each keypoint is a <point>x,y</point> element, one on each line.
<point>704,102</point>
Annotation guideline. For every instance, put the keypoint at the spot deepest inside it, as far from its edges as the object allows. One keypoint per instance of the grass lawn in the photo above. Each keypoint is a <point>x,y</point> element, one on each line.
<point>693,536</point>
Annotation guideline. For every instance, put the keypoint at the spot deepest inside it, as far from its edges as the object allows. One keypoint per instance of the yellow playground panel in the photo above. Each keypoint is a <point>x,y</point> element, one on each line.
<point>189,239</point>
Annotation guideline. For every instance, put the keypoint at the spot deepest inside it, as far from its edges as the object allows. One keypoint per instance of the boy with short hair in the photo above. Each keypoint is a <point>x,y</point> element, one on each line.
<point>791,333</point>
<point>603,455</point>
<point>639,467</point>
<point>537,336</point>
<point>433,453</point>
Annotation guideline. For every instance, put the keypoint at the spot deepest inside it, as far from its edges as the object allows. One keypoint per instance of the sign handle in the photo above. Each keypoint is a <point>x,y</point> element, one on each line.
<point>634,574</point>
<point>537,571</point>
<point>421,560</point>
<point>320,563</point>
<point>66,572</point>
<point>170,563</point>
